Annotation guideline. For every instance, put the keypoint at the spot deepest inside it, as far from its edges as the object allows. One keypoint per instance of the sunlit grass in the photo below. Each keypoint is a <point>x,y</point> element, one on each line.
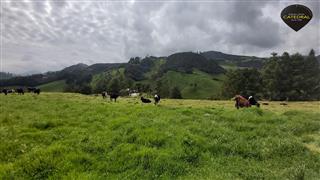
<point>73,136</point>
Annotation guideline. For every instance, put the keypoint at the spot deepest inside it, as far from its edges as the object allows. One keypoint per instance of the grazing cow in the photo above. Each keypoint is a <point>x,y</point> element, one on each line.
<point>145,100</point>
<point>36,91</point>
<point>253,102</point>
<point>31,89</point>
<point>10,91</point>
<point>156,99</point>
<point>114,96</point>
<point>104,94</point>
<point>5,91</point>
<point>20,91</point>
<point>283,104</point>
<point>265,104</point>
<point>241,102</point>
<point>134,94</point>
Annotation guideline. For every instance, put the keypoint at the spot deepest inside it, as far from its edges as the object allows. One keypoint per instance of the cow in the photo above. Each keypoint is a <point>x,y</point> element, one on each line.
<point>156,99</point>
<point>145,100</point>
<point>253,102</point>
<point>31,89</point>
<point>114,96</point>
<point>134,94</point>
<point>241,102</point>
<point>5,91</point>
<point>10,91</point>
<point>104,94</point>
<point>36,91</point>
<point>20,91</point>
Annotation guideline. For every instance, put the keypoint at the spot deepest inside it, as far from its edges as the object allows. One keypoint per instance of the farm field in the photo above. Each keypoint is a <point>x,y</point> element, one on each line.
<point>73,136</point>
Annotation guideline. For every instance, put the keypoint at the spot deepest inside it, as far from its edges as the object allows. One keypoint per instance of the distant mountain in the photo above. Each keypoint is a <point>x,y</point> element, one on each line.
<point>66,73</point>
<point>196,75</point>
<point>29,73</point>
<point>186,62</point>
<point>6,75</point>
<point>100,67</point>
<point>234,60</point>
<point>219,56</point>
<point>74,68</point>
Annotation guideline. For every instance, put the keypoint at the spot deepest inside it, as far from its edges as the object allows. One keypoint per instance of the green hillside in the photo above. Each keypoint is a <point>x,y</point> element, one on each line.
<point>55,86</point>
<point>197,75</point>
<point>198,85</point>
<point>73,136</point>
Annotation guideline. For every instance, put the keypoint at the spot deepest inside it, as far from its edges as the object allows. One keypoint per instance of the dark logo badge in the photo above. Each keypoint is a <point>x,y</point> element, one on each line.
<point>296,16</point>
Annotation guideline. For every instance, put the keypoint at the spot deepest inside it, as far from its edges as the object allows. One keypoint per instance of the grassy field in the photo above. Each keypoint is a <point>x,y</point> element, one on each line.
<point>72,136</point>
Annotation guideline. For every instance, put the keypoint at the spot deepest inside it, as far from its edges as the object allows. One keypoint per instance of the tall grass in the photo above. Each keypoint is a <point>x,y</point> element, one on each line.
<point>73,136</point>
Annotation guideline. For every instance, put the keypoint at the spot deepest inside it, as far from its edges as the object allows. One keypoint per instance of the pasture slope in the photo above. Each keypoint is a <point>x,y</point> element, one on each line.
<point>73,136</point>
<point>55,86</point>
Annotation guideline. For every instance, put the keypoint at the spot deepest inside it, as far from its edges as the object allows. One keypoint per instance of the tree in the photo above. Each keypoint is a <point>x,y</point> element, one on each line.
<point>245,82</point>
<point>161,88</point>
<point>292,77</point>
<point>175,93</point>
<point>100,82</point>
<point>269,74</point>
<point>311,76</point>
<point>114,86</point>
<point>134,60</point>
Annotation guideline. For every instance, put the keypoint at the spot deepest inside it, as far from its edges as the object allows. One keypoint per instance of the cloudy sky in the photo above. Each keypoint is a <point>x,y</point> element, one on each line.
<point>47,35</point>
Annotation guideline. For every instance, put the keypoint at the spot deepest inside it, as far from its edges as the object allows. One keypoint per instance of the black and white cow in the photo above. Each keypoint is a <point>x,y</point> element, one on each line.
<point>156,99</point>
<point>145,100</point>
<point>253,102</point>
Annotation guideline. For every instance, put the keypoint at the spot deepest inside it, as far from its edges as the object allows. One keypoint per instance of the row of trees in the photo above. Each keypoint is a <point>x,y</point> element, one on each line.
<point>285,77</point>
<point>116,82</point>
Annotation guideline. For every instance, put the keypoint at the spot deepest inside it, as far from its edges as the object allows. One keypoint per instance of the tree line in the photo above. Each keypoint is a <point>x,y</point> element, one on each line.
<point>285,77</point>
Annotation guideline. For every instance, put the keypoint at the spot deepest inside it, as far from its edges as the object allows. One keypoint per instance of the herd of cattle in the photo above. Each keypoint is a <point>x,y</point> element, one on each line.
<point>240,100</point>
<point>20,91</point>
<point>114,96</point>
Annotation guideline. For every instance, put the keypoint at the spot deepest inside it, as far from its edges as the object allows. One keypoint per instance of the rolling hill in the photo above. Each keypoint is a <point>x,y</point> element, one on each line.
<point>197,75</point>
<point>230,60</point>
<point>55,86</point>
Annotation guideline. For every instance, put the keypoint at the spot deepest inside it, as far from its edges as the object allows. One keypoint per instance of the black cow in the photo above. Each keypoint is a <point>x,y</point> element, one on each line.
<point>31,89</point>
<point>5,91</point>
<point>253,102</point>
<point>104,94</point>
<point>36,91</point>
<point>10,91</point>
<point>145,100</point>
<point>20,91</point>
<point>156,99</point>
<point>114,96</point>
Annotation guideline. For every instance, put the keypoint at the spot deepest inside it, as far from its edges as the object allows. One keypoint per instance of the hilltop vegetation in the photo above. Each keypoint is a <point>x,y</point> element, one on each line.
<point>234,60</point>
<point>141,71</point>
<point>73,136</point>
<point>205,75</point>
